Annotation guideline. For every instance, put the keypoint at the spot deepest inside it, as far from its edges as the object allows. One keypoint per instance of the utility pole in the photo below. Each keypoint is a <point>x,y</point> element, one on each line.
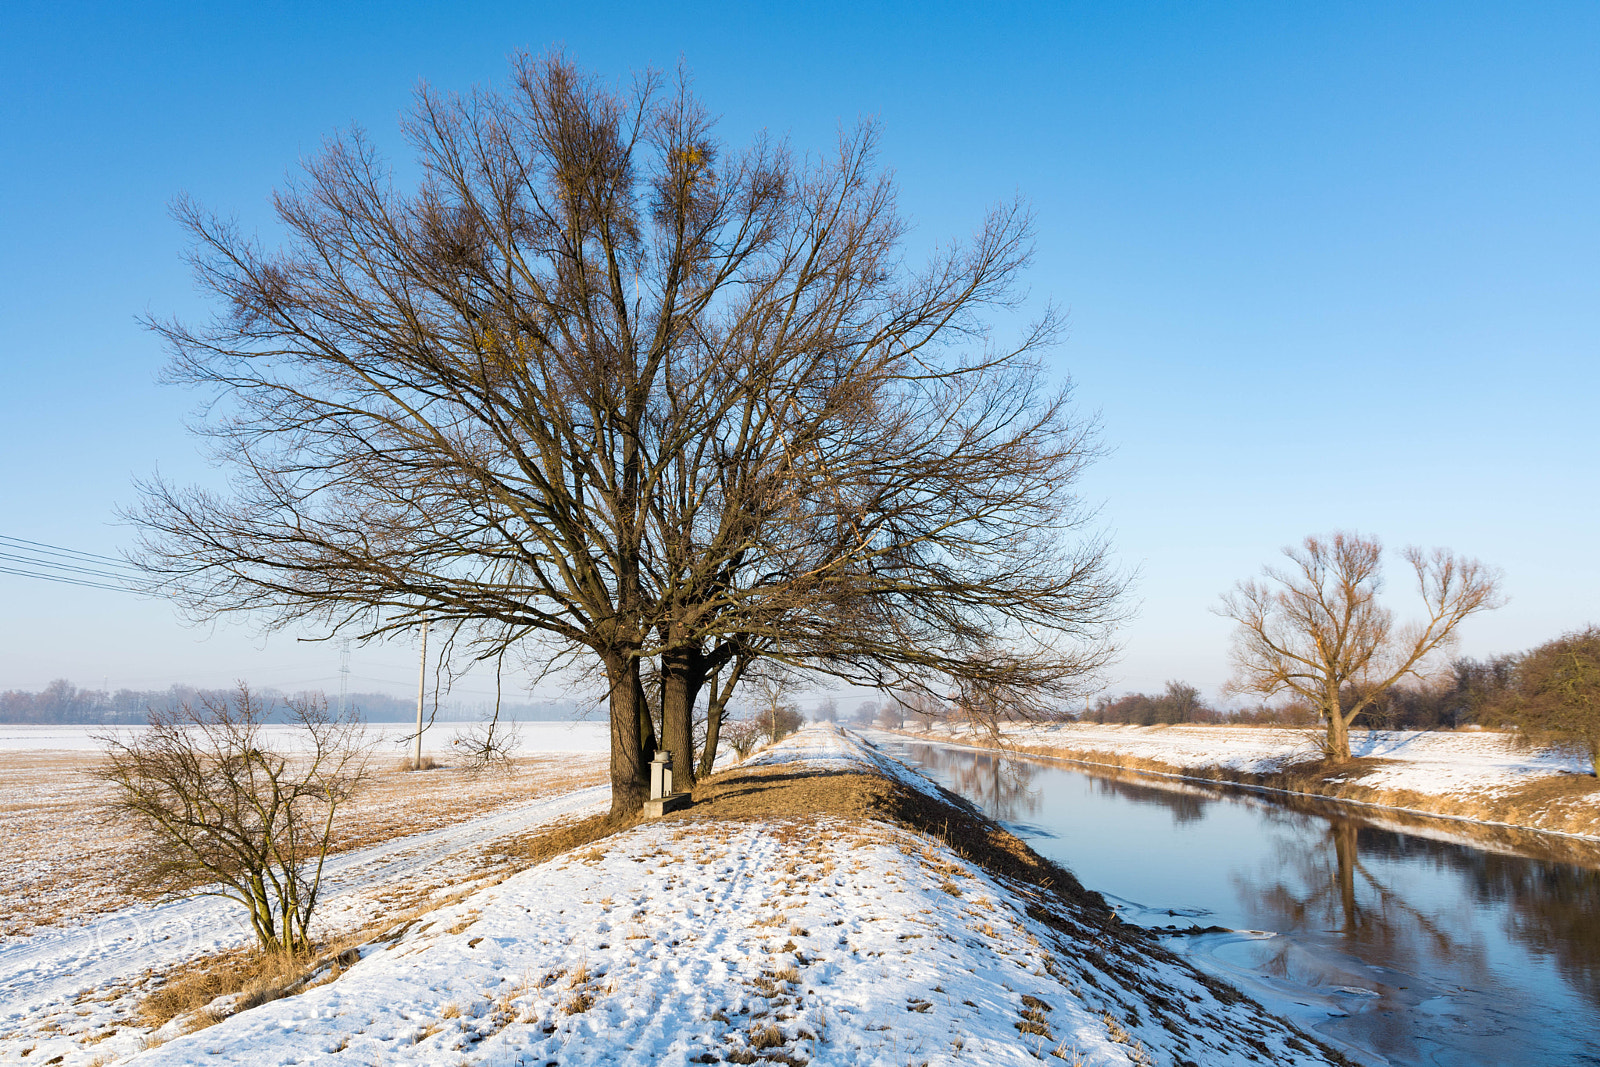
<point>344,675</point>
<point>422,690</point>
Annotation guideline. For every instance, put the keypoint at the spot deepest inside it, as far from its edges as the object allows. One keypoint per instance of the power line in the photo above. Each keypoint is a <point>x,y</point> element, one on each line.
<point>67,566</point>
<point>57,550</point>
<point>93,572</point>
<point>67,581</point>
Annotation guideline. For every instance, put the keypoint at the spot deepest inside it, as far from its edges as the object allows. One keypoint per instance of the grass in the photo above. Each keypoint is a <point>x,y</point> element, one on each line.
<point>258,977</point>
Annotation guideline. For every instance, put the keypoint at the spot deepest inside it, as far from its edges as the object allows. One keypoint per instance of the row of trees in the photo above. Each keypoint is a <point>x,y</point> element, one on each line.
<point>603,392</point>
<point>61,702</point>
<point>1180,703</point>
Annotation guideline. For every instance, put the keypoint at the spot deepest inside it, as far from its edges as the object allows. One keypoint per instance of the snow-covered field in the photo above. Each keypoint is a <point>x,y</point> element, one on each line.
<point>812,939</point>
<point>62,855</point>
<point>62,988</point>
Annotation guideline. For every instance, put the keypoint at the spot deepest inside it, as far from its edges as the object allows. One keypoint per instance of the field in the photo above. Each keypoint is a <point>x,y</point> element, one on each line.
<point>61,854</point>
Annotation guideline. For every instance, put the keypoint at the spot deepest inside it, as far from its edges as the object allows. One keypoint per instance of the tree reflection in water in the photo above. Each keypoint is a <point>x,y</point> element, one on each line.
<point>1504,944</point>
<point>1000,785</point>
<point>1348,887</point>
<point>1187,804</point>
<point>1329,886</point>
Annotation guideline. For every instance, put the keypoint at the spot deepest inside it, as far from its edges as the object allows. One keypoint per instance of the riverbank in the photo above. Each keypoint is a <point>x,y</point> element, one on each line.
<point>1474,776</point>
<point>819,903</point>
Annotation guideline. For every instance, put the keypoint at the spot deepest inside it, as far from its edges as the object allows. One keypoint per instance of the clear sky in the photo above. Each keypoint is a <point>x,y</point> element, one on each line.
<point>1328,265</point>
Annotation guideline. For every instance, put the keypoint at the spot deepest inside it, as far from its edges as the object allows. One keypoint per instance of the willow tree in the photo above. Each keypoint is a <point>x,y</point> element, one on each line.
<point>600,385</point>
<point>1317,628</point>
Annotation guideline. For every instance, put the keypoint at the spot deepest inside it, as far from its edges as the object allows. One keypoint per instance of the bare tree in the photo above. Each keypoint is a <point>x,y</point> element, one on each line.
<point>827,710</point>
<point>488,746</point>
<point>601,389</point>
<point>742,735</point>
<point>220,812</point>
<point>1317,629</point>
<point>924,710</point>
<point>772,703</point>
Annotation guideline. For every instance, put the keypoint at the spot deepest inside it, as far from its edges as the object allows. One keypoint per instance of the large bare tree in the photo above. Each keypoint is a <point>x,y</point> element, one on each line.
<point>1316,628</point>
<point>601,387</point>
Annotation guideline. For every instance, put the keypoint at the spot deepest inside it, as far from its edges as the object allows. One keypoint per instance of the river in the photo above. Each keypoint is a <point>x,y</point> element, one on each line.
<point>1401,945</point>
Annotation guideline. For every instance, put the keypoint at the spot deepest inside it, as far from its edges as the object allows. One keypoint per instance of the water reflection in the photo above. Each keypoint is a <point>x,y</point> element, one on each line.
<point>1438,950</point>
<point>1001,786</point>
<point>1185,804</point>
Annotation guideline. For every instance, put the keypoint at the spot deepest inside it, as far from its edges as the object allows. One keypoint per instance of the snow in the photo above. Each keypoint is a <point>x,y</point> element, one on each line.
<point>63,854</point>
<point>1429,762</point>
<point>89,977</point>
<point>692,941</point>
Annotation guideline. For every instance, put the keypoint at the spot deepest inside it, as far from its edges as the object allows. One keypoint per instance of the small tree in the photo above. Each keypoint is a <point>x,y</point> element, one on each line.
<point>772,703</point>
<point>1317,629</point>
<point>222,813</point>
<point>1555,695</point>
<point>742,735</point>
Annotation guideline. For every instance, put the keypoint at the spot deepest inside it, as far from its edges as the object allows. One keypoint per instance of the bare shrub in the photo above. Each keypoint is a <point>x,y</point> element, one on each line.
<point>220,812</point>
<point>488,746</point>
<point>742,735</point>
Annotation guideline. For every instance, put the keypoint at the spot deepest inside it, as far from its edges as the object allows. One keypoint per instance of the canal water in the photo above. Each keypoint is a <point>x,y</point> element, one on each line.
<point>1398,945</point>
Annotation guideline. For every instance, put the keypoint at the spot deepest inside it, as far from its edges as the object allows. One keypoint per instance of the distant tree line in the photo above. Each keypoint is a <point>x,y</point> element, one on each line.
<point>62,703</point>
<point>1180,703</point>
<point>1470,692</point>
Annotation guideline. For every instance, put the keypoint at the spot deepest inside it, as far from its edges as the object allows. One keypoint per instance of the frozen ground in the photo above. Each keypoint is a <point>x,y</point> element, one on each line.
<point>812,939</point>
<point>60,988</point>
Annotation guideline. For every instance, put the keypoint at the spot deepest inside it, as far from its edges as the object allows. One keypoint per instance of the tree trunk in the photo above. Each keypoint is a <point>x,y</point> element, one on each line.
<point>1346,856</point>
<point>714,706</point>
<point>630,781</point>
<point>1338,734</point>
<point>682,671</point>
<point>648,741</point>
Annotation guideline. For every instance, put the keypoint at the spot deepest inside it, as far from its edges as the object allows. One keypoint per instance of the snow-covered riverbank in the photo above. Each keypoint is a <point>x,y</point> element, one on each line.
<point>789,917</point>
<point>1477,775</point>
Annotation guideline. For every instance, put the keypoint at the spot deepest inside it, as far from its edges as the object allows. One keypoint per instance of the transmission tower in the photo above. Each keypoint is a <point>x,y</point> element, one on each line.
<point>344,675</point>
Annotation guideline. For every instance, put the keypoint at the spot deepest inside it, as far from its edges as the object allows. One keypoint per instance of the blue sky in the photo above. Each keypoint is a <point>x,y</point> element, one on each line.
<point>1328,266</point>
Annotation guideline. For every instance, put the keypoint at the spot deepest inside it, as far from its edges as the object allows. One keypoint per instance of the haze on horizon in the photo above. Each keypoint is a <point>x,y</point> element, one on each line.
<point>1326,269</point>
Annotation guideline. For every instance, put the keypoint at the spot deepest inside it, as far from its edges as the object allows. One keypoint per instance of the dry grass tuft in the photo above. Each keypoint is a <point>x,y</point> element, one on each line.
<point>765,1037</point>
<point>259,977</point>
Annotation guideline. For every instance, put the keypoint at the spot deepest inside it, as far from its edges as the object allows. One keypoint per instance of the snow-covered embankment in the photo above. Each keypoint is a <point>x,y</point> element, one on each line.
<point>778,920</point>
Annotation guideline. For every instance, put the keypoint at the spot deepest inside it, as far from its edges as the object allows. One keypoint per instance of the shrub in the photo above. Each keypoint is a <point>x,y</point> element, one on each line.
<point>220,812</point>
